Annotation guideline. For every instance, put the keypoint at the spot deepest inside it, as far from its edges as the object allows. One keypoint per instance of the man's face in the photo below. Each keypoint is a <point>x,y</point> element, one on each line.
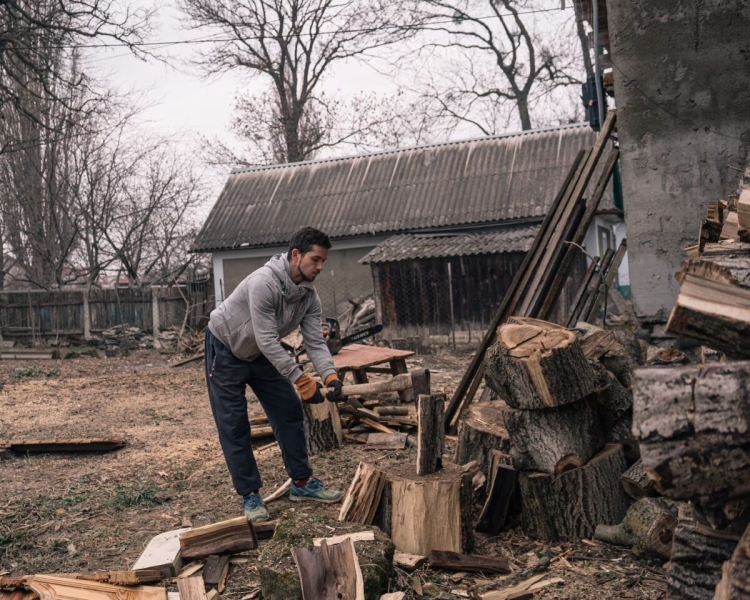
<point>307,266</point>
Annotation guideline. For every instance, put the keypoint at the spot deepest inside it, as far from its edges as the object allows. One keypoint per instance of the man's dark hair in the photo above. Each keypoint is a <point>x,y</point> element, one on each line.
<point>307,237</point>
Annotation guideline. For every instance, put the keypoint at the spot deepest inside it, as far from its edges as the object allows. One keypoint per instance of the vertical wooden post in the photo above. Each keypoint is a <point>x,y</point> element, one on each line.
<point>431,434</point>
<point>86,315</point>
<point>155,326</point>
<point>450,298</point>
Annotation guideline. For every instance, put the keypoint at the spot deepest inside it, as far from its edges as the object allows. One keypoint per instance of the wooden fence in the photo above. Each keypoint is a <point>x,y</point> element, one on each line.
<point>40,313</point>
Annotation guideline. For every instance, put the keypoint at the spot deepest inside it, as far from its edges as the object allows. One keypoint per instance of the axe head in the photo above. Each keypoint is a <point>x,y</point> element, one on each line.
<point>420,382</point>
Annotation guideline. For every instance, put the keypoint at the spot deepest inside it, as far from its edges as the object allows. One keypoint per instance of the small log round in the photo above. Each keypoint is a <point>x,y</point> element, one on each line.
<point>534,367</point>
<point>428,512</point>
<point>481,432</point>
<point>569,506</point>
<point>320,429</point>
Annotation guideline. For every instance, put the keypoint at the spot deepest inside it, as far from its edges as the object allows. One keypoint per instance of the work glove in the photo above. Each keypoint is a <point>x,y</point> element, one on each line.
<point>333,382</point>
<point>308,389</point>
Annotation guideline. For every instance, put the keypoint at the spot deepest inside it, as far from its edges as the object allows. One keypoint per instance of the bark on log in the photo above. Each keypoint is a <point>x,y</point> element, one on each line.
<point>622,433</point>
<point>534,367</point>
<point>431,512</point>
<point>571,505</point>
<point>713,306</point>
<point>541,439</point>
<point>482,431</point>
<point>431,434</point>
<point>693,425</point>
<point>613,402</point>
<point>320,428</point>
<point>735,574</point>
<point>500,494</point>
<point>648,527</point>
<point>636,483</point>
<point>697,558</point>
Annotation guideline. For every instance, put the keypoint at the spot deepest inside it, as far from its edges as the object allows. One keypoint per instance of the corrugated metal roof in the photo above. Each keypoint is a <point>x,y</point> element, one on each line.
<point>411,246</point>
<point>481,181</point>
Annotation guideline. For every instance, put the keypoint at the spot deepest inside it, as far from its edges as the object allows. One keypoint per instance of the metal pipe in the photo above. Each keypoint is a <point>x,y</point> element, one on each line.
<point>597,65</point>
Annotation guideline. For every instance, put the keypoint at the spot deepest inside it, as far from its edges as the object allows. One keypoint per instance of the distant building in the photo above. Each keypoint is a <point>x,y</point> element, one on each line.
<point>479,200</point>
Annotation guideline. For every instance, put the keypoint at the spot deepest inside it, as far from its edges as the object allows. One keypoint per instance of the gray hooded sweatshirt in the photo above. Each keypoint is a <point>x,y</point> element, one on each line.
<point>266,307</point>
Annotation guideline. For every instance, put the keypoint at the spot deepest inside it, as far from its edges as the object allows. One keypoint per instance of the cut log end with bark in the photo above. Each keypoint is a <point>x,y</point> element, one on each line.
<point>322,427</point>
<point>481,432</point>
<point>534,367</point>
<point>570,506</point>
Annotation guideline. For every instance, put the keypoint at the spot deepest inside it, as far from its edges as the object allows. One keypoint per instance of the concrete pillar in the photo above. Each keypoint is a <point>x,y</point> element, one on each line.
<point>86,316</point>
<point>681,75</point>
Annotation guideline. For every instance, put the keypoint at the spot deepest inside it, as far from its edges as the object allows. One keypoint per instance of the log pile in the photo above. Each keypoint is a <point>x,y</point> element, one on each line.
<point>559,408</point>
<point>693,422</point>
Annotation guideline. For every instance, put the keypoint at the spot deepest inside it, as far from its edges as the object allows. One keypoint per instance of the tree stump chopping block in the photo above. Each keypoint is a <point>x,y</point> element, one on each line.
<point>482,431</point>
<point>569,506</point>
<point>322,427</point>
<point>533,367</point>
<point>553,440</point>
<point>693,425</point>
<point>279,577</point>
<point>428,512</point>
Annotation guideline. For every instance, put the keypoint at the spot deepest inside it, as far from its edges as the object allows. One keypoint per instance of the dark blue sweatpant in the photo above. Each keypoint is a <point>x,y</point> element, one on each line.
<point>226,377</point>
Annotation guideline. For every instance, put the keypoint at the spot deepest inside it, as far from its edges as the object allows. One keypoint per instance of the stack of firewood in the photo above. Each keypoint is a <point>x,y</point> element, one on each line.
<point>693,422</point>
<point>567,420</point>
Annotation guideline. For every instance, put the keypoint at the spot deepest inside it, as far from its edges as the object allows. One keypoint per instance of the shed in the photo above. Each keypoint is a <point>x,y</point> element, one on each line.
<point>473,186</point>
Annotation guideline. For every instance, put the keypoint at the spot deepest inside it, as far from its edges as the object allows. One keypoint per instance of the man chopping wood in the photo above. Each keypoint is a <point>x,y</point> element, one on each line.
<point>243,347</point>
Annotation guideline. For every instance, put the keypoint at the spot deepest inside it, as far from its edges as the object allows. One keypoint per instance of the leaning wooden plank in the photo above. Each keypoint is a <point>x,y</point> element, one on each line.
<point>453,561</point>
<point>330,572</point>
<point>431,435</point>
<point>65,445</point>
<point>191,588</point>
<point>215,571</point>
<point>555,246</point>
<point>735,574</point>
<point>231,536</point>
<point>363,496</point>
<point>52,587</point>
<point>562,274</point>
<point>470,380</point>
<point>591,292</point>
<point>609,279</point>
<point>692,424</point>
<point>162,553</point>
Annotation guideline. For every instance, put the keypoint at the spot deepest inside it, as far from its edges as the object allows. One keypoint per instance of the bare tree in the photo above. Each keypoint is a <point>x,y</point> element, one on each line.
<point>291,45</point>
<point>498,64</point>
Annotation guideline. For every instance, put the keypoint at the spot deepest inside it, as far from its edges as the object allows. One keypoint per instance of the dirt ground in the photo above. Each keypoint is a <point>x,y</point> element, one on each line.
<point>76,513</point>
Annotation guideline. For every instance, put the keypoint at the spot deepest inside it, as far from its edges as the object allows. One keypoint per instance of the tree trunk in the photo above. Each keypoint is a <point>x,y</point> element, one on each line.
<point>692,424</point>
<point>546,440</point>
<point>522,102</point>
<point>571,505</point>
<point>697,558</point>
<point>431,512</point>
<point>636,483</point>
<point>534,367</point>
<point>481,432</point>
<point>735,574</point>
<point>319,427</point>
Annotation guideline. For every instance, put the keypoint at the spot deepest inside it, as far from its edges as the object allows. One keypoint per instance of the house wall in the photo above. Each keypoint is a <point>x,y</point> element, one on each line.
<point>343,277</point>
<point>683,103</point>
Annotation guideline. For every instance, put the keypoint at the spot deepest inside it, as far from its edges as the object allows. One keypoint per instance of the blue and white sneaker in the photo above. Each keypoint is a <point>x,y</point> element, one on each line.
<point>315,490</point>
<point>255,510</point>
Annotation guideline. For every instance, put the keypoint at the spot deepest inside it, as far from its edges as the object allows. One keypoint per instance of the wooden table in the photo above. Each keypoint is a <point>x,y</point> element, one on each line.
<point>360,360</point>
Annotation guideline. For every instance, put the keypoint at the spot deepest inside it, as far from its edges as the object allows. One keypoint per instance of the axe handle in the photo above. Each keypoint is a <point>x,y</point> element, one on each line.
<point>397,384</point>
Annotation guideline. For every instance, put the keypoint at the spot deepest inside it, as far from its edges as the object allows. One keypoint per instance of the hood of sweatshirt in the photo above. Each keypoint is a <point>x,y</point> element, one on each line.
<point>292,292</point>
